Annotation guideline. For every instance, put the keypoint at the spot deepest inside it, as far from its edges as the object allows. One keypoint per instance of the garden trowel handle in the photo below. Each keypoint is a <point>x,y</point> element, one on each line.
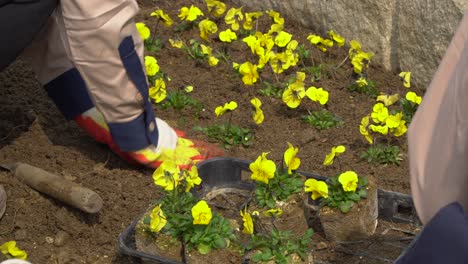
<point>57,187</point>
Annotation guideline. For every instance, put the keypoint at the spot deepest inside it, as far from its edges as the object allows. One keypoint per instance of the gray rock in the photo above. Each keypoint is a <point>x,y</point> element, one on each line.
<point>404,35</point>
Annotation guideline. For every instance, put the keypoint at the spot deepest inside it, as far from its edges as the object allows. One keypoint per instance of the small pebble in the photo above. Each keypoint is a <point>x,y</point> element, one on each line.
<point>321,245</point>
<point>49,239</point>
<point>61,238</point>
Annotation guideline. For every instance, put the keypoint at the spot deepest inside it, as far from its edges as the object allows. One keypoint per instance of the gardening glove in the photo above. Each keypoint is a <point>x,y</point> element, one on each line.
<point>171,143</point>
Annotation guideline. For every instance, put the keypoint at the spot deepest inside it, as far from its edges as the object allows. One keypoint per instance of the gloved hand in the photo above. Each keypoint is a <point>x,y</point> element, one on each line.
<point>172,144</point>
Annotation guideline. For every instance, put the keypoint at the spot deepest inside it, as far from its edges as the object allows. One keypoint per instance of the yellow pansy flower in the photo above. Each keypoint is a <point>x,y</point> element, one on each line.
<point>151,65</point>
<point>167,175</point>
<point>10,250</point>
<point>401,129</point>
<point>247,221</point>
<point>249,73</point>
<point>182,154</point>
<point>277,18</point>
<point>275,28</point>
<point>393,121</point>
<point>176,43</point>
<point>201,213</point>
<point>216,8</point>
<point>361,82</point>
<point>163,17</point>
<point>354,48</point>
<point>191,178</point>
<point>233,16</point>
<point>220,110</point>
<point>317,95</point>
<point>158,219</point>
<point>349,181</point>
<point>212,60</point>
<point>273,212</point>
<point>335,151</point>
<point>363,129</point>
<point>158,92</point>
<point>406,79</point>
<point>413,97</point>
<point>207,27</point>
<point>379,129</point>
<point>317,188</point>
<point>290,159</point>
<point>252,42</point>
<point>190,14</point>
<point>188,89</point>
<point>250,18</point>
<point>340,41</point>
<point>143,30</point>
<point>257,114</point>
<point>388,100</point>
<point>379,113</point>
<point>227,35</point>
<point>358,60</point>
<point>282,39</point>
<point>293,95</point>
<point>262,169</point>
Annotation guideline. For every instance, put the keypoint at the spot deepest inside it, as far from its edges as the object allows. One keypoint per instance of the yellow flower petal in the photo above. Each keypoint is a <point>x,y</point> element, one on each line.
<point>201,213</point>
<point>349,181</point>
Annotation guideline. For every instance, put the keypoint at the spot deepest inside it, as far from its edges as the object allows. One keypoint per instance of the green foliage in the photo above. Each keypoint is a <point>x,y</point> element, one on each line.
<point>178,213</point>
<point>177,207</point>
<point>228,134</point>
<point>380,154</point>
<point>186,26</point>
<point>194,50</point>
<point>303,53</point>
<point>278,246</point>
<point>278,189</point>
<point>215,235</point>
<point>409,109</point>
<point>273,89</point>
<point>317,72</point>
<point>180,100</point>
<point>153,44</point>
<point>322,119</point>
<point>339,198</point>
<point>369,89</point>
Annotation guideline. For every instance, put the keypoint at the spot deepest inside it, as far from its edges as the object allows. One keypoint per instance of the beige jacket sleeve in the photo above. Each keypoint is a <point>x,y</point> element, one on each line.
<point>438,134</point>
<point>97,41</point>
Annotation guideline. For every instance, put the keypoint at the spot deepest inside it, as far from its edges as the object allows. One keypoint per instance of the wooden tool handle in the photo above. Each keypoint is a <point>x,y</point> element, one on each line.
<point>58,187</point>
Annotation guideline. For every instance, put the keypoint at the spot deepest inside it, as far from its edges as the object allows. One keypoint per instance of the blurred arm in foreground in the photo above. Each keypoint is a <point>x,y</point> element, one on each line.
<point>438,156</point>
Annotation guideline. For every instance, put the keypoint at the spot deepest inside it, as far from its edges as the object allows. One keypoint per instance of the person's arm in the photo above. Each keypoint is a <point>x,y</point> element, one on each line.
<point>438,134</point>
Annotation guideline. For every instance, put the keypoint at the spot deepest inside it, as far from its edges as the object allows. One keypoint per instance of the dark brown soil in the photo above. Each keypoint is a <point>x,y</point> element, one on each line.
<point>33,131</point>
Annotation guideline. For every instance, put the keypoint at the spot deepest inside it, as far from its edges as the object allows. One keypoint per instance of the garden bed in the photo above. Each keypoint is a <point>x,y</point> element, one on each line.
<point>62,148</point>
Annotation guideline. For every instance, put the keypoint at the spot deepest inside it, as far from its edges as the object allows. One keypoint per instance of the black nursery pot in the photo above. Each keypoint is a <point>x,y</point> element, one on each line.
<point>225,172</point>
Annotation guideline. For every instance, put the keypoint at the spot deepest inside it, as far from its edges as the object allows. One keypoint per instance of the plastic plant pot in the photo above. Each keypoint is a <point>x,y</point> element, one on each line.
<point>225,172</point>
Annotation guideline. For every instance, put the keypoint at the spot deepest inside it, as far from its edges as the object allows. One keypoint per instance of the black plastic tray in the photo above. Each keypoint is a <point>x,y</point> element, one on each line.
<point>227,172</point>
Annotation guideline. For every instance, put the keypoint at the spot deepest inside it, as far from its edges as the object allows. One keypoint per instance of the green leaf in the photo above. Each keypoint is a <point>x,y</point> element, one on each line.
<point>204,248</point>
<point>346,206</point>
<point>147,220</point>
<point>219,242</point>
<point>363,181</point>
<point>266,255</point>
<point>363,193</point>
<point>354,197</point>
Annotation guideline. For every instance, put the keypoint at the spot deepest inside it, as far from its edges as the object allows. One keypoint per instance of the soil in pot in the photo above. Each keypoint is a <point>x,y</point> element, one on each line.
<point>358,224</point>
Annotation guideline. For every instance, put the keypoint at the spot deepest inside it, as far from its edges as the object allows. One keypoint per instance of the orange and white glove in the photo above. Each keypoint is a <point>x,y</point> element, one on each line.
<point>171,143</point>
